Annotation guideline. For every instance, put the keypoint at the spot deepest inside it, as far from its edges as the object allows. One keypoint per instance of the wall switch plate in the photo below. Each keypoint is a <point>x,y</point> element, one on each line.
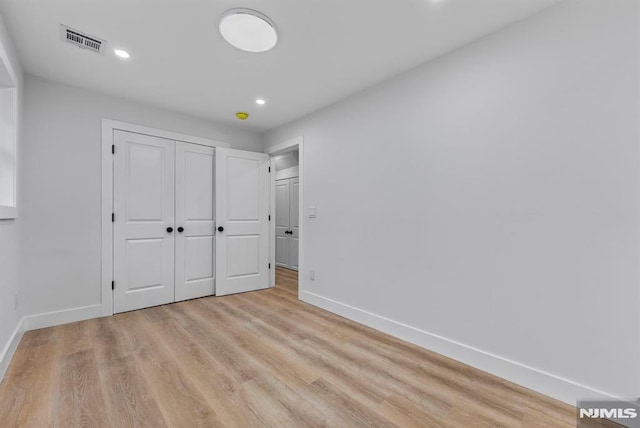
<point>312,212</point>
<point>312,274</point>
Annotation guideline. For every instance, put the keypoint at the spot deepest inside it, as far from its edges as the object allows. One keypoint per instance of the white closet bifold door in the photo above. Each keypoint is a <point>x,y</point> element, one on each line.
<point>143,264</point>
<point>242,221</point>
<point>194,235</point>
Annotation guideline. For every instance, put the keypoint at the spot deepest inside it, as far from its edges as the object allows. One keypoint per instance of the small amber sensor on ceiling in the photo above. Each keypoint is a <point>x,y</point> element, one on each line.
<point>242,115</point>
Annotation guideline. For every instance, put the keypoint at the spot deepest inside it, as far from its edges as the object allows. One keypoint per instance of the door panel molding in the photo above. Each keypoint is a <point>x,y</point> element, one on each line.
<point>195,244</point>
<point>242,221</point>
<point>282,214</point>
<point>286,222</point>
<point>144,203</point>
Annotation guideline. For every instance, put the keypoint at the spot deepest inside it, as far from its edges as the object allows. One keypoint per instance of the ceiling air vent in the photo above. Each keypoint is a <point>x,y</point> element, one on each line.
<point>82,40</point>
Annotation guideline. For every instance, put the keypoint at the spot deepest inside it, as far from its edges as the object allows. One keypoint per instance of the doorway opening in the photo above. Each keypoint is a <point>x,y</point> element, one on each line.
<point>287,209</point>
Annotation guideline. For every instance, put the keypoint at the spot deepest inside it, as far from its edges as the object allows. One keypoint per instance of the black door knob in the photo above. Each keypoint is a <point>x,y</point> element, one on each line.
<point>169,229</point>
<point>220,228</point>
<point>181,229</point>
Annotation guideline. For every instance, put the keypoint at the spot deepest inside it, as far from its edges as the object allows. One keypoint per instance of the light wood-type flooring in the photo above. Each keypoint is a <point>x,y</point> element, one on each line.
<point>255,359</point>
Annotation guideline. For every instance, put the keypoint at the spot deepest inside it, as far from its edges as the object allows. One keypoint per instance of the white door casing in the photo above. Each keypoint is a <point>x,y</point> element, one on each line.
<point>194,234</point>
<point>143,264</point>
<point>242,220</point>
<point>294,236</point>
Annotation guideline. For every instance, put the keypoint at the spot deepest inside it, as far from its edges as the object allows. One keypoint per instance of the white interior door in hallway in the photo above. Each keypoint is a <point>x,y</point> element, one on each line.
<point>164,221</point>
<point>287,226</point>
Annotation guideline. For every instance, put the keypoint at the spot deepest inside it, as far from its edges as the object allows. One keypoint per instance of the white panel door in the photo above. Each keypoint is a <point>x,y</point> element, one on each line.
<point>294,225</point>
<point>282,222</point>
<point>287,227</point>
<point>242,210</point>
<point>194,235</point>
<point>143,265</point>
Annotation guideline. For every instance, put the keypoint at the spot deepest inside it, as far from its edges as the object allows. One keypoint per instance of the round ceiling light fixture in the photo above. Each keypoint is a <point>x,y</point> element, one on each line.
<point>122,53</point>
<point>248,30</point>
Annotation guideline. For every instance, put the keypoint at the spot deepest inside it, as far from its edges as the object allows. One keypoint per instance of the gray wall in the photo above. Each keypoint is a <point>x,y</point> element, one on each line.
<point>488,201</point>
<point>62,186</point>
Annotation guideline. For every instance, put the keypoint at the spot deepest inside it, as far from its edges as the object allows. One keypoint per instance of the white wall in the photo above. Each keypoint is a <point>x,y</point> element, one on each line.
<point>61,204</point>
<point>10,234</point>
<point>485,204</point>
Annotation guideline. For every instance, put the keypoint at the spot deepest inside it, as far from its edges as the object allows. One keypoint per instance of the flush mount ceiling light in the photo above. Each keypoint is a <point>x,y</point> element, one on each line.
<point>248,30</point>
<point>260,101</point>
<point>121,53</point>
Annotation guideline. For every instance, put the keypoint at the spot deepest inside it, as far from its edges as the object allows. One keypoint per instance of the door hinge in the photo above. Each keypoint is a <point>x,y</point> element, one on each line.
<point>113,285</point>
<point>113,217</point>
<point>269,265</point>
<point>269,217</point>
<point>113,149</point>
<point>269,169</point>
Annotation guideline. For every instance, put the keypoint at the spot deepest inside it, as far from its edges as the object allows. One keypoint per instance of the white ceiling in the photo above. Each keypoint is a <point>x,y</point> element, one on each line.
<point>328,49</point>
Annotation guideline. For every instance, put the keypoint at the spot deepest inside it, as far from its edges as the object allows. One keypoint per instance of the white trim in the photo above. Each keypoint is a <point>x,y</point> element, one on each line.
<point>549,384</point>
<point>108,127</point>
<point>10,348</point>
<point>272,225</point>
<point>292,172</point>
<point>50,319</point>
<point>106,295</point>
<point>155,132</point>
<point>274,150</point>
<point>47,319</point>
<point>286,146</point>
<point>8,212</point>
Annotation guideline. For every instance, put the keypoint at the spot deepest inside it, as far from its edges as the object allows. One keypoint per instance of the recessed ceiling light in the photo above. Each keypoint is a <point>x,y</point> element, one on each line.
<point>248,30</point>
<point>260,102</point>
<point>121,53</point>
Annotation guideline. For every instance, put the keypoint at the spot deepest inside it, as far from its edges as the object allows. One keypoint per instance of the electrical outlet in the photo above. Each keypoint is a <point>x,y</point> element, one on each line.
<point>312,274</point>
<point>16,301</point>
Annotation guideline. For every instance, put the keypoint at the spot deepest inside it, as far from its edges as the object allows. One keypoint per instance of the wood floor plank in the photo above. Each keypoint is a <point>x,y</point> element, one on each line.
<point>128,399</point>
<point>79,401</point>
<point>211,378</point>
<point>181,404</point>
<point>26,392</point>
<point>259,359</point>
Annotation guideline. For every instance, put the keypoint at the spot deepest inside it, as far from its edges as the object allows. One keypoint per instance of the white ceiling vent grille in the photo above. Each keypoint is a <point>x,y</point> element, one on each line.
<point>82,40</point>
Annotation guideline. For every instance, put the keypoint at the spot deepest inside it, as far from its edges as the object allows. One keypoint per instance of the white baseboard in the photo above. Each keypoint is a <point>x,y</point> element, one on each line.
<point>10,348</point>
<point>50,319</point>
<point>545,383</point>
